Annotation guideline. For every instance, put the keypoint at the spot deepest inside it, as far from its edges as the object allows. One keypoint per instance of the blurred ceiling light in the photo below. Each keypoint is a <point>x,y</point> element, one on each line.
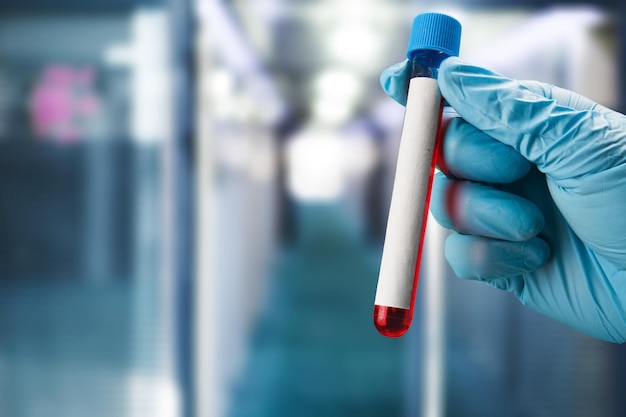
<point>221,83</point>
<point>337,83</point>
<point>335,95</point>
<point>322,163</point>
<point>315,166</point>
<point>331,113</point>
<point>355,44</point>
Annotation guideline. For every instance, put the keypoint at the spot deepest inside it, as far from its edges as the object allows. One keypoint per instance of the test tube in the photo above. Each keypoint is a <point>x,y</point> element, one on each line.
<point>434,37</point>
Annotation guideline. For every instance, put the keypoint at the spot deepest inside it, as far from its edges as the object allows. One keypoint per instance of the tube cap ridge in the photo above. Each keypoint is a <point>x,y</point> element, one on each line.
<point>435,31</point>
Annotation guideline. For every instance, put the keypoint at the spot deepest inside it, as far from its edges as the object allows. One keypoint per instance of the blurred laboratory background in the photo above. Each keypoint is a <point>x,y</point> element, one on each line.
<point>193,197</point>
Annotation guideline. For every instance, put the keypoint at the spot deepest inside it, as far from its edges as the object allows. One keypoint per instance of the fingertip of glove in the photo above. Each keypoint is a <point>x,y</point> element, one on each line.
<point>529,221</point>
<point>536,253</point>
<point>393,81</point>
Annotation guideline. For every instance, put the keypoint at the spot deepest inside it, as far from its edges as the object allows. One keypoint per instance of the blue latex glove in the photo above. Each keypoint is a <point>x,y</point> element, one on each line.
<point>535,191</point>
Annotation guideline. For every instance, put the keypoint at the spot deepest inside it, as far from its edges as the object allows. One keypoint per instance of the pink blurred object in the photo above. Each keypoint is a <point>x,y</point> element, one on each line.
<point>63,103</point>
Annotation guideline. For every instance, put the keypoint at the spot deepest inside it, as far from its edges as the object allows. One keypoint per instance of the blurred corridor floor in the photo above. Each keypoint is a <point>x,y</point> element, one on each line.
<point>65,349</point>
<point>314,350</point>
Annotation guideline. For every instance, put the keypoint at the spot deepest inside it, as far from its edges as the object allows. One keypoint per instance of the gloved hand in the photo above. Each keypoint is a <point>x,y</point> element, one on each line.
<point>535,192</point>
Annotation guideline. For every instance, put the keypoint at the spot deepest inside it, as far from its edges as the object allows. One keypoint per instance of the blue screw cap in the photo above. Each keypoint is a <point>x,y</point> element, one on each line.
<point>436,32</point>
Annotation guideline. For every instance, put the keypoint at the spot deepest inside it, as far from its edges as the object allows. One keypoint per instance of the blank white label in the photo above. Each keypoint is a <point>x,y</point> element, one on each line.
<point>407,212</point>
